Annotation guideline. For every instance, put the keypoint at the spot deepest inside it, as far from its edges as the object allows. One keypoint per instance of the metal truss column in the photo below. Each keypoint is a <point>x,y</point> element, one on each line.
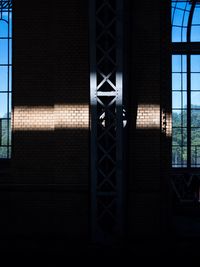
<point>106,99</point>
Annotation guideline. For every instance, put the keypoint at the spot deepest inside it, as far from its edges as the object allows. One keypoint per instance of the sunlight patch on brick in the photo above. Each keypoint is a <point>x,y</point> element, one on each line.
<point>72,116</point>
<point>148,116</point>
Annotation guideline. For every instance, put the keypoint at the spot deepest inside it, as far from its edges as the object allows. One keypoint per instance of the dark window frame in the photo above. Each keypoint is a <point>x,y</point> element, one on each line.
<point>6,90</point>
<point>187,49</point>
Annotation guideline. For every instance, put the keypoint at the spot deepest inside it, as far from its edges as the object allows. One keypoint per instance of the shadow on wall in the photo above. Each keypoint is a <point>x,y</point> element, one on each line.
<point>46,197</point>
<point>43,217</point>
<point>149,190</point>
<point>46,201</point>
<point>51,157</point>
<point>50,145</point>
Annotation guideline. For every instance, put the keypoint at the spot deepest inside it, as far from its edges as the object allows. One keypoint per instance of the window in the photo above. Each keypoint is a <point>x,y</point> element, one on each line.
<point>5,78</point>
<point>186,83</point>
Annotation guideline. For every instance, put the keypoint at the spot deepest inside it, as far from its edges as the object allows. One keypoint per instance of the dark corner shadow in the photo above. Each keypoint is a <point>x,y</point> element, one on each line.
<point>46,200</point>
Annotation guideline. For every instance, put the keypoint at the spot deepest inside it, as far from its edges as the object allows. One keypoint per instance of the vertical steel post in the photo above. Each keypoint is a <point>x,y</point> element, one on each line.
<point>106,95</point>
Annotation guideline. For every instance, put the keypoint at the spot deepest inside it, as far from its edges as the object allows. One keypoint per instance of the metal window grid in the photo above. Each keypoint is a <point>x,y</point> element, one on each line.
<point>5,77</point>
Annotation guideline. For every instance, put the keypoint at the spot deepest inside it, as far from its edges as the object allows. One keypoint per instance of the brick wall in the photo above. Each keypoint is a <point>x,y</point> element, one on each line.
<point>145,185</point>
<point>47,191</point>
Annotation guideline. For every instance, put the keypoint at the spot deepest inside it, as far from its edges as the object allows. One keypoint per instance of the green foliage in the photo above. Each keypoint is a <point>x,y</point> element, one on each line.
<point>179,136</point>
<point>5,136</point>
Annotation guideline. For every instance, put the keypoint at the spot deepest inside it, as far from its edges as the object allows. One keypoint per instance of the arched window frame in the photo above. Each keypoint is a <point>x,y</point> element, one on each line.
<point>185,48</point>
<point>5,78</point>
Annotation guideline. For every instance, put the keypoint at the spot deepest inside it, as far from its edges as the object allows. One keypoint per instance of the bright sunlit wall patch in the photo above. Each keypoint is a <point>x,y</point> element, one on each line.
<point>5,78</point>
<point>148,116</point>
<point>72,116</point>
<point>60,116</point>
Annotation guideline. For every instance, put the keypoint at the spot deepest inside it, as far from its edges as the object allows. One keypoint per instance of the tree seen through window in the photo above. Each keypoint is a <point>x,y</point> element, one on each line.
<point>186,83</point>
<point>5,77</point>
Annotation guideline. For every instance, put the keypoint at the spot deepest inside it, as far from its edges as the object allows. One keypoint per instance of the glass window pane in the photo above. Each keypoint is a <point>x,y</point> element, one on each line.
<point>3,152</point>
<point>176,100</point>
<point>195,81</point>
<point>184,63</point>
<point>184,35</point>
<point>179,100</point>
<point>184,81</point>
<point>196,16</point>
<point>5,15</point>
<point>195,63</point>
<point>176,156</point>
<point>3,28</point>
<point>195,33</point>
<point>195,136</point>
<point>195,148</point>
<point>10,78</point>
<point>3,51</point>
<point>179,63</point>
<point>188,5</point>
<point>181,5</point>
<point>185,21</point>
<point>10,24</point>
<point>184,100</point>
<point>9,132</point>
<point>10,51</point>
<point>184,136</point>
<point>184,118</point>
<point>176,34</point>
<point>176,63</point>
<point>178,17</point>
<point>3,78</point>
<point>179,136</point>
<point>176,137</point>
<point>184,156</point>
<point>179,156</point>
<point>195,118</point>
<point>176,119</point>
<point>4,132</point>
<point>9,105</point>
<point>9,20</point>
<point>179,119</point>
<point>3,105</point>
<point>195,156</point>
<point>195,99</point>
<point>176,81</point>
